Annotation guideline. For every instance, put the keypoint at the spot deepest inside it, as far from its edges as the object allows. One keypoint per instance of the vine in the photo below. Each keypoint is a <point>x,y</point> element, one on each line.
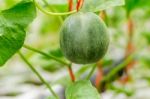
<point>52,13</point>
<point>38,75</point>
<point>79,4</point>
<point>46,55</point>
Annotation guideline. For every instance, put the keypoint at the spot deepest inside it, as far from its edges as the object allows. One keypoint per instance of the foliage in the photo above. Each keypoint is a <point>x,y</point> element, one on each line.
<point>13,21</point>
<point>82,90</point>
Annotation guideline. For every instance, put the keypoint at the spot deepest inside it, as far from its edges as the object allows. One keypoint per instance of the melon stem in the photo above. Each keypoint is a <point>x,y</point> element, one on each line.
<point>71,73</point>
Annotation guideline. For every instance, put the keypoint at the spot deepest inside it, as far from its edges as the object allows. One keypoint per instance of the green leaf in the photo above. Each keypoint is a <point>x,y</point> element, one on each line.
<point>147,36</point>
<point>122,89</point>
<point>11,39</point>
<point>97,5</point>
<point>82,90</point>
<point>12,24</point>
<point>133,4</point>
<point>22,13</point>
<point>56,52</point>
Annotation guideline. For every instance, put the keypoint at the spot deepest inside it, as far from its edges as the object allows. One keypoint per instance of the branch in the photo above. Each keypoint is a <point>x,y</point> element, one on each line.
<point>91,72</point>
<point>72,76</point>
<point>46,55</point>
<point>118,68</point>
<point>70,2</point>
<point>79,4</point>
<point>38,74</point>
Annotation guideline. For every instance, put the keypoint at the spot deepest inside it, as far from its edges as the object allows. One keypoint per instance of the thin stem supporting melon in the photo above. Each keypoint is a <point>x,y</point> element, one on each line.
<point>71,73</point>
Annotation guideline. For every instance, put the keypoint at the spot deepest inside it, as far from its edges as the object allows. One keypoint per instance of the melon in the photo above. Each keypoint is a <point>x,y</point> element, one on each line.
<point>84,38</point>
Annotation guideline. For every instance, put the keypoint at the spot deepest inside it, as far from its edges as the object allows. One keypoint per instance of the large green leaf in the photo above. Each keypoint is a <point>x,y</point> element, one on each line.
<point>97,5</point>
<point>22,13</point>
<point>12,24</point>
<point>82,90</point>
<point>133,4</point>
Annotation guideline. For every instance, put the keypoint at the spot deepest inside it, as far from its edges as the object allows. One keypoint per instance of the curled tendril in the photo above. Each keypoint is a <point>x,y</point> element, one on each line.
<point>52,13</point>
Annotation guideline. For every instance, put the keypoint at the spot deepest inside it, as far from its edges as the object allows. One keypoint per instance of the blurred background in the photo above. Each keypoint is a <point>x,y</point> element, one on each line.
<point>129,30</point>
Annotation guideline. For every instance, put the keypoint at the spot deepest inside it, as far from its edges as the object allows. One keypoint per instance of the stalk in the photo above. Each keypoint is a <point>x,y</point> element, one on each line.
<point>38,75</point>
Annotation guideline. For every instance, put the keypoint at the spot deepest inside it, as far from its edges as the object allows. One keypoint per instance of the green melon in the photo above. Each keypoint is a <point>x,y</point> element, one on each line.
<point>84,38</point>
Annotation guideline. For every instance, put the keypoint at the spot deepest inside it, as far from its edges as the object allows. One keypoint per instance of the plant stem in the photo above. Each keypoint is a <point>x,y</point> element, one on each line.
<point>118,68</point>
<point>91,72</point>
<point>129,50</point>
<point>55,58</point>
<point>52,13</point>
<point>46,55</point>
<point>72,76</point>
<point>79,4</point>
<point>130,47</point>
<point>38,75</point>
<point>47,4</point>
<point>70,2</point>
<point>53,9</point>
<point>99,75</point>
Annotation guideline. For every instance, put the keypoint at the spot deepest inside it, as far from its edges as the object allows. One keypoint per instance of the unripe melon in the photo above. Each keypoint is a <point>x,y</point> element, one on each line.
<point>84,38</point>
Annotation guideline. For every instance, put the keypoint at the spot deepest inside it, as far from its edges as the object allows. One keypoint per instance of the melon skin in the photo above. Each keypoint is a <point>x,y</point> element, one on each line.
<point>84,38</point>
